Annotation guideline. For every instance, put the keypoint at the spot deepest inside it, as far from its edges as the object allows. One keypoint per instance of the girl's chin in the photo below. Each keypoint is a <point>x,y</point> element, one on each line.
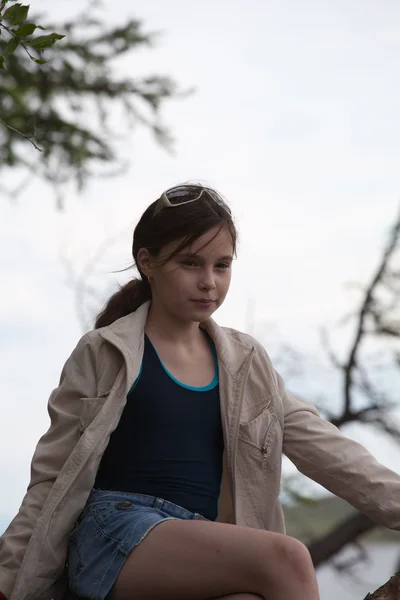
<point>195,311</point>
<point>204,310</point>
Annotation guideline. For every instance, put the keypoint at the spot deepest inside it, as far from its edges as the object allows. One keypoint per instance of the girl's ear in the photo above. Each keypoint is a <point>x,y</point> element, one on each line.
<point>144,262</point>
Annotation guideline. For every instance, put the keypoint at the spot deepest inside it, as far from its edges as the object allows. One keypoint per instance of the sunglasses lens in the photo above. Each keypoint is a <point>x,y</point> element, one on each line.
<point>187,193</point>
<point>182,194</point>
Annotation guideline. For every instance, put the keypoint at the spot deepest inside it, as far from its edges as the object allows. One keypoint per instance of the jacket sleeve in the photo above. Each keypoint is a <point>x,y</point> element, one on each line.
<point>78,380</point>
<point>319,450</point>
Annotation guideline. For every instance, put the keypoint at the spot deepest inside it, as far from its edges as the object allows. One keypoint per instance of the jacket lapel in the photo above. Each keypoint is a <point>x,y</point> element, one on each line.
<point>127,335</point>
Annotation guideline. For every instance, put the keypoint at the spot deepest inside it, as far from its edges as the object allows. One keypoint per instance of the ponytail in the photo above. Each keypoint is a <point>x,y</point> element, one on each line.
<point>128,298</point>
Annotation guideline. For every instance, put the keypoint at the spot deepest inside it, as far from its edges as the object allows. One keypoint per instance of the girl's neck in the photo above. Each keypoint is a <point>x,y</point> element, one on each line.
<point>163,326</point>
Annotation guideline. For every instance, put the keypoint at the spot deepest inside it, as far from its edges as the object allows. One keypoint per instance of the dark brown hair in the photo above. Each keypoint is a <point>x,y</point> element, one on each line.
<point>186,222</point>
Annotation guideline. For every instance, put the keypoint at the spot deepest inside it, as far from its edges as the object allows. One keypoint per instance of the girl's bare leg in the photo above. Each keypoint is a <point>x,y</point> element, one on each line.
<point>199,560</point>
<point>239,597</point>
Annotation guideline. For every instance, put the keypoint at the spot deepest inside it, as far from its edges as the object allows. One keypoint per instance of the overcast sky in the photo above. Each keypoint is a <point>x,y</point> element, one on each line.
<point>295,119</point>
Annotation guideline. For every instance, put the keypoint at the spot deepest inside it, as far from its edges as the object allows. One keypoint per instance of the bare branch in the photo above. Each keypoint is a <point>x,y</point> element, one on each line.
<point>364,311</point>
<point>329,350</point>
<point>29,138</point>
<point>323,549</point>
<point>345,566</point>
<point>388,427</point>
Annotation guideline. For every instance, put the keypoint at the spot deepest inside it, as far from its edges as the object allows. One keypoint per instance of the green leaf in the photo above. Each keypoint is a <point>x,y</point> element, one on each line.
<point>10,46</point>
<point>26,29</point>
<point>3,4</point>
<point>16,13</point>
<point>45,41</point>
<point>39,61</point>
<point>2,64</point>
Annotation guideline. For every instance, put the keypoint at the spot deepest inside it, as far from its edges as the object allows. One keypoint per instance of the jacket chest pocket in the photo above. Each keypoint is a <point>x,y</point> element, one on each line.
<point>258,441</point>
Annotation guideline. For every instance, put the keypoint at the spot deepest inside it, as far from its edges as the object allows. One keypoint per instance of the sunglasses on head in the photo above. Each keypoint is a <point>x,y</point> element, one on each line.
<point>185,194</point>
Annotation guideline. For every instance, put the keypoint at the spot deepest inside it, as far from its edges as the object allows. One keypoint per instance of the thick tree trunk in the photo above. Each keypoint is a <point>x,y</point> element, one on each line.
<point>389,591</point>
<point>323,549</point>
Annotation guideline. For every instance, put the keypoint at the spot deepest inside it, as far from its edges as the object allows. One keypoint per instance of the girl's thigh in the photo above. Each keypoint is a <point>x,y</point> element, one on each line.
<point>198,560</point>
<point>240,597</point>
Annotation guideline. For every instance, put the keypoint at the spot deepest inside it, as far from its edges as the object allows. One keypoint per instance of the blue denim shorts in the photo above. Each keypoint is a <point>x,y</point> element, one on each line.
<point>111,525</point>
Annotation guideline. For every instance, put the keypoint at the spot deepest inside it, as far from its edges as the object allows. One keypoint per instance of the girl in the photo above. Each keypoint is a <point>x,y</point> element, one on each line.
<point>159,475</point>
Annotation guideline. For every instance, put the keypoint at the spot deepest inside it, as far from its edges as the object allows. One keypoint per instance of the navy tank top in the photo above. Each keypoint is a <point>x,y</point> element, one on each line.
<point>168,442</point>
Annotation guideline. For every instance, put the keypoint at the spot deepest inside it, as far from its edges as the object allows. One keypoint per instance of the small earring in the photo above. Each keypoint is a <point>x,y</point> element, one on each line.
<point>149,279</point>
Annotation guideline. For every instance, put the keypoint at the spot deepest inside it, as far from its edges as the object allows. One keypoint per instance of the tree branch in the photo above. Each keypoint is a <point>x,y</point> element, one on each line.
<point>389,591</point>
<point>368,298</point>
<point>324,549</point>
<point>20,133</point>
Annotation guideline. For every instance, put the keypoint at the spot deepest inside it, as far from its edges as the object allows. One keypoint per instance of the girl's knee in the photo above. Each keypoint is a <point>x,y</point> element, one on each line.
<point>295,556</point>
<point>240,596</point>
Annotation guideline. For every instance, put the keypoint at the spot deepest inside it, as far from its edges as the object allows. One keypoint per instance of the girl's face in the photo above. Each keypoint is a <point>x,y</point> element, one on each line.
<point>194,283</point>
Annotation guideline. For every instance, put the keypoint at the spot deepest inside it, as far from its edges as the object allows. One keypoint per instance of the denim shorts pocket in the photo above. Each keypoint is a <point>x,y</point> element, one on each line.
<point>115,522</point>
<point>99,509</point>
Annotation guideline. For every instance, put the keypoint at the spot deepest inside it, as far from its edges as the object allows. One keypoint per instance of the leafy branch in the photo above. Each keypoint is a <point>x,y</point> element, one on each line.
<point>30,139</point>
<point>20,32</point>
<point>79,105</point>
<point>13,23</point>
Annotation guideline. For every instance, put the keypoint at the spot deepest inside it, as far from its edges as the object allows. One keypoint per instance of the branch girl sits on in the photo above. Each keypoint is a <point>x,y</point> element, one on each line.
<point>159,476</point>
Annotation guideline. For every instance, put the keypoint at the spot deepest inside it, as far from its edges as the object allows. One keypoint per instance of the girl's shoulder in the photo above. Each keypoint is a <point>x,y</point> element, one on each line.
<point>248,343</point>
<point>243,338</point>
<point>88,347</point>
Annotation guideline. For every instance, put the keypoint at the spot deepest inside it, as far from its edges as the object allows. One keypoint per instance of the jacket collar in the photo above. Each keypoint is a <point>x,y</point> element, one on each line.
<point>231,352</point>
<point>127,335</point>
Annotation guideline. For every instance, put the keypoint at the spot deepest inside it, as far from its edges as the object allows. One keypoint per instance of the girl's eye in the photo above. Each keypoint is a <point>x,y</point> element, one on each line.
<point>223,266</point>
<point>189,263</point>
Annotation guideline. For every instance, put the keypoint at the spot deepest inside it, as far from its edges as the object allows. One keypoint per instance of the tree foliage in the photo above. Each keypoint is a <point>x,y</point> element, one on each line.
<point>14,23</point>
<point>63,93</point>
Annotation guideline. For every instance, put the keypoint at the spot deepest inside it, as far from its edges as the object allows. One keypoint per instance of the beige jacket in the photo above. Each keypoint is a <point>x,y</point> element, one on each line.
<point>260,422</point>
